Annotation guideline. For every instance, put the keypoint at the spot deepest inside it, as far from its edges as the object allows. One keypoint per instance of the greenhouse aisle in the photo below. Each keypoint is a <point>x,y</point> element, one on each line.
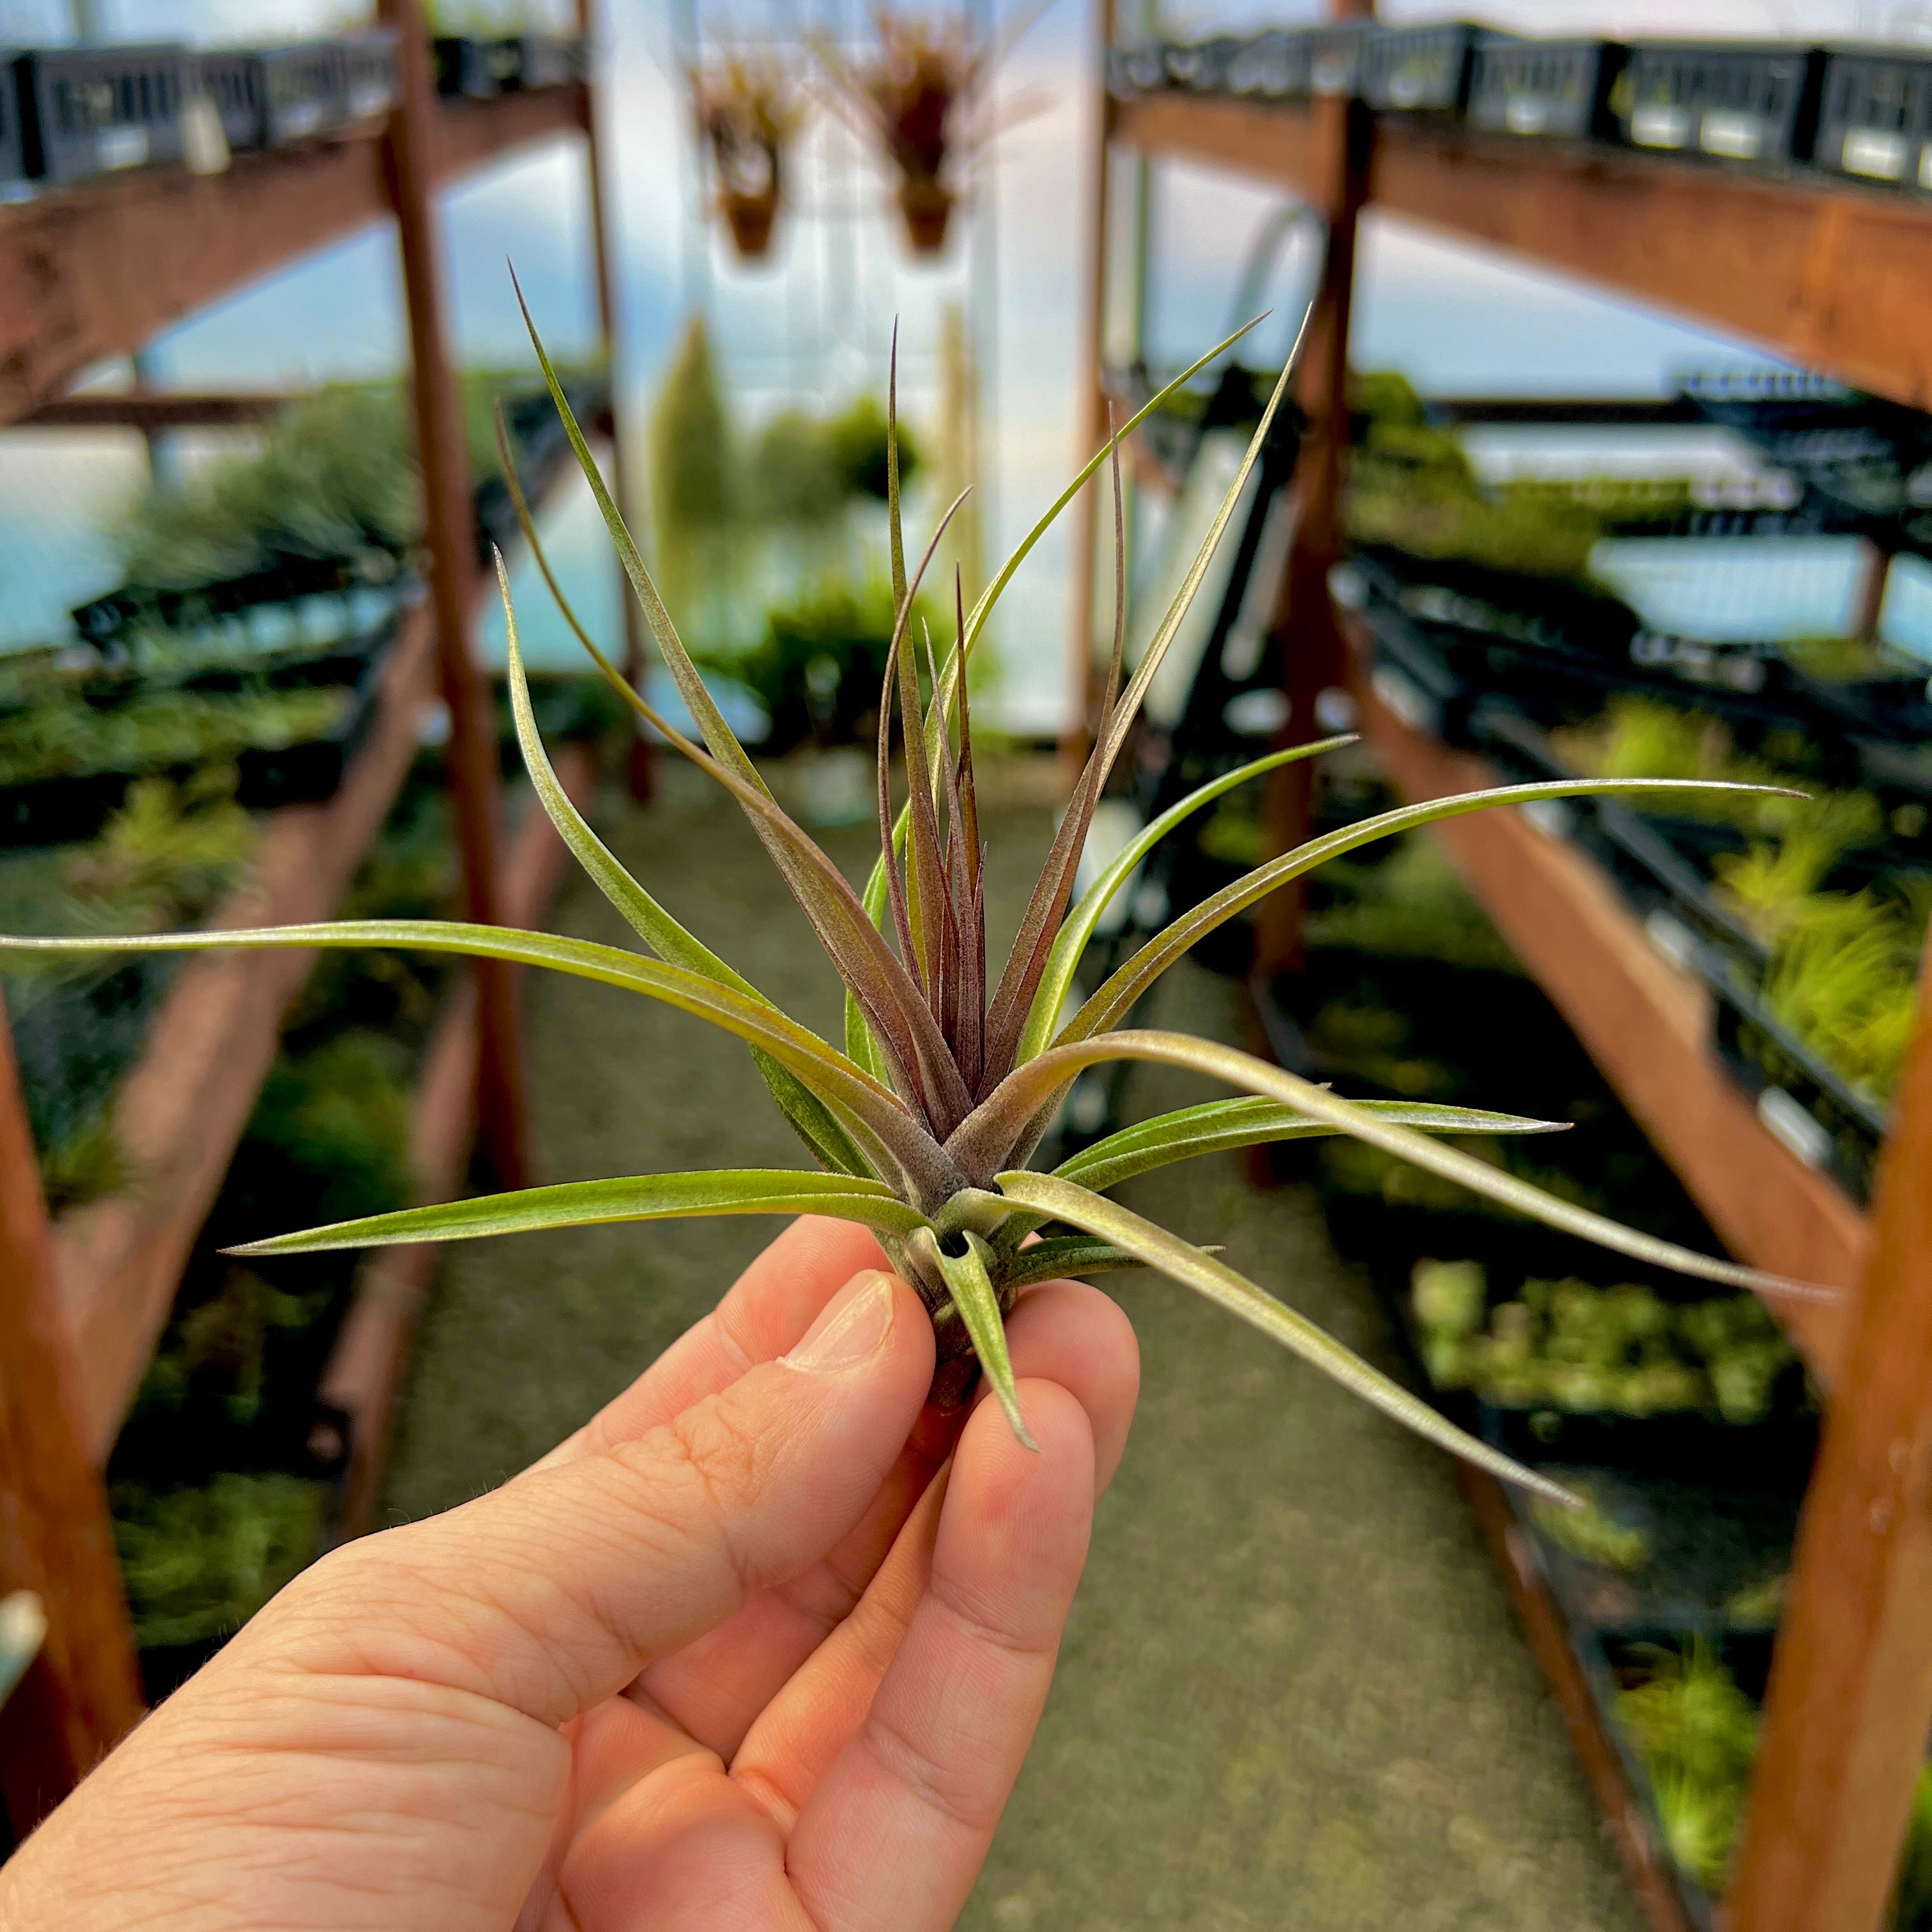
<point>1291,1695</point>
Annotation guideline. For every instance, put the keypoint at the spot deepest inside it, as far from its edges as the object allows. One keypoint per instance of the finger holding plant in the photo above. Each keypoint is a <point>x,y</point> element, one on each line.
<point>924,1123</point>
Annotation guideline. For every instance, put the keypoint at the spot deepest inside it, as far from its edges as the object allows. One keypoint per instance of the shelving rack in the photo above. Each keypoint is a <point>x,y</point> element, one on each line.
<point>1833,276</point>
<point>97,272</point>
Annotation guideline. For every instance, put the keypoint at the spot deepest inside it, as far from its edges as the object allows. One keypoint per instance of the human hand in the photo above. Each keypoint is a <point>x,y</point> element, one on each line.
<point>740,1656</point>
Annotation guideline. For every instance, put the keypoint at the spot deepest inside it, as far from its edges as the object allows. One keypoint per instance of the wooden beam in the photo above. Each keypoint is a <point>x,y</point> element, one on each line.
<point>365,1371</point>
<point>1849,1700</point>
<point>97,271</point>
<point>82,1692</point>
<point>1647,1024</point>
<point>442,455</point>
<point>1303,618</point>
<point>149,410</point>
<point>1836,276</point>
<point>1091,410</point>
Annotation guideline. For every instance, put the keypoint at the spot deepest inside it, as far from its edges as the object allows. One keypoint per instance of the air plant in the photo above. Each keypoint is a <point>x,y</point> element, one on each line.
<point>747,115</point>
<point>923,1120</point>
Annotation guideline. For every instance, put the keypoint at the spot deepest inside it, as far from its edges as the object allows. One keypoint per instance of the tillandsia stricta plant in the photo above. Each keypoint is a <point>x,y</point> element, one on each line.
<point>923,1121</point>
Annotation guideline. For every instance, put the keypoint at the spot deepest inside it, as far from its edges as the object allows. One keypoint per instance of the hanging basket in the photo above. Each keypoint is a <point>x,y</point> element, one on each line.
<point>928,208</point>
<point>750,217</point>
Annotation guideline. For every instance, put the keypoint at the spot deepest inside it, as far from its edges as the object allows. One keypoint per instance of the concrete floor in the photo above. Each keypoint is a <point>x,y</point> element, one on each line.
<point>1291,1696</point>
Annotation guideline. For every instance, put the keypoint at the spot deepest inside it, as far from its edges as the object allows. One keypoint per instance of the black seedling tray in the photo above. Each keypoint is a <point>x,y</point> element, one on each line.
<point>1419,70</point>
<point>1774,1453</point>
<point>1756,104</point>
<point>1550,88</point>
<point>104,620</point>
<point>1794,1085</point>
<point>1272,66</point>
<point>369,82</point>
<point>1201,66</point>
<point>65,810</point>
<point>1875,117</point>
<point>304,91</point>
<point>473,70</point>
<point>1710,1546</point>
<point>1139,69</point>
<point>90,111</point>
<point>541,60</point>
<point>13,182</point>
<point>229,79</point>
<point>1335,55</point>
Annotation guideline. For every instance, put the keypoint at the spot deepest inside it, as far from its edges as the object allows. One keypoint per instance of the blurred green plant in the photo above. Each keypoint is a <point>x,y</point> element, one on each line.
<point>1579,1349</point>
<point>1696,1733</point>
<point>199,1562</point>
<point>1411,486</point>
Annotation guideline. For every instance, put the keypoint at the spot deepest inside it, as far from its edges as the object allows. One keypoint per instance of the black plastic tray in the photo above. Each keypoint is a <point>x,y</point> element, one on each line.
<point>1272,66</point>
<point>1875,117</point>
<point>1819,1115</point>
<point>1335,55</point>
<point>13,182</point>
<point>541,60</point>
<point>61,810</point>
<point>1419,70</point>
<point>370,85</point>
<point>1553,89</point>
<point>89,111</point>
<point>1754,104</point>
<point>1201,66</point>
<point>229,79</point>
<point>304,92</point>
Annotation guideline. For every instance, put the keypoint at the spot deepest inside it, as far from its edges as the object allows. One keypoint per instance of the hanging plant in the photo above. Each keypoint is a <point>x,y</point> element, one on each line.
<point>746,117</point>
<point>910,95</point>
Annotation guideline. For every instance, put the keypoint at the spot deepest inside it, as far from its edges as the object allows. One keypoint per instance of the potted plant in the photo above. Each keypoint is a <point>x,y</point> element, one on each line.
<point>909,95</point>
<point>746,115</point>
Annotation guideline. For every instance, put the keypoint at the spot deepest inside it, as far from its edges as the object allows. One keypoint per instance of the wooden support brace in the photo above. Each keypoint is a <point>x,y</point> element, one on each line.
<point>82,1692</point>
<point>442,452</point>
<point>1849,1701</point>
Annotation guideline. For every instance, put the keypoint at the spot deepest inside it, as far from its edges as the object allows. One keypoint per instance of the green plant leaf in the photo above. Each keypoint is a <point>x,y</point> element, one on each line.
<point>1064,960</point>
<point>971,1289</point>
<point>1063,1200</point>
<point>975,1147</point>
<point>577,1204</point>
<point>886,1131</point>
<point>957,663</point>
<point>1066,1257</point>
<point>1217,1126</point>
<point>861,956</point>
<point>809,1117</point>
<point>1117,997</point>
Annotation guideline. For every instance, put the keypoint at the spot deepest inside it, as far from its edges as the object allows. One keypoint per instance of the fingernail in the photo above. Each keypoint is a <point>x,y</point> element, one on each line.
<point>851,1328</point>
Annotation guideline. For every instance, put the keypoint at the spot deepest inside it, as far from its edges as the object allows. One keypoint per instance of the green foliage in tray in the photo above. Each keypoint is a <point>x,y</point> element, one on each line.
<point>1624,1351</point>
<point>1696,1733</point>
<point>199,1562</point>
<point>1411,487</point>
<point>64,736</point>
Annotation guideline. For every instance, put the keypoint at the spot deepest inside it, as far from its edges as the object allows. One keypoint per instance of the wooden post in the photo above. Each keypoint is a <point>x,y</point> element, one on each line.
<point>639,760</point>
<point>443,453</point>
<point>1316,655</point>
<point>1090,424</point>
<point>1850,1697</point>
<point>83,1691</point>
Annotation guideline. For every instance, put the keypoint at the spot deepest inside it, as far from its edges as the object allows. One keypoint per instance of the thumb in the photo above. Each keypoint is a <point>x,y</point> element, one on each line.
<point>551,1594</point>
